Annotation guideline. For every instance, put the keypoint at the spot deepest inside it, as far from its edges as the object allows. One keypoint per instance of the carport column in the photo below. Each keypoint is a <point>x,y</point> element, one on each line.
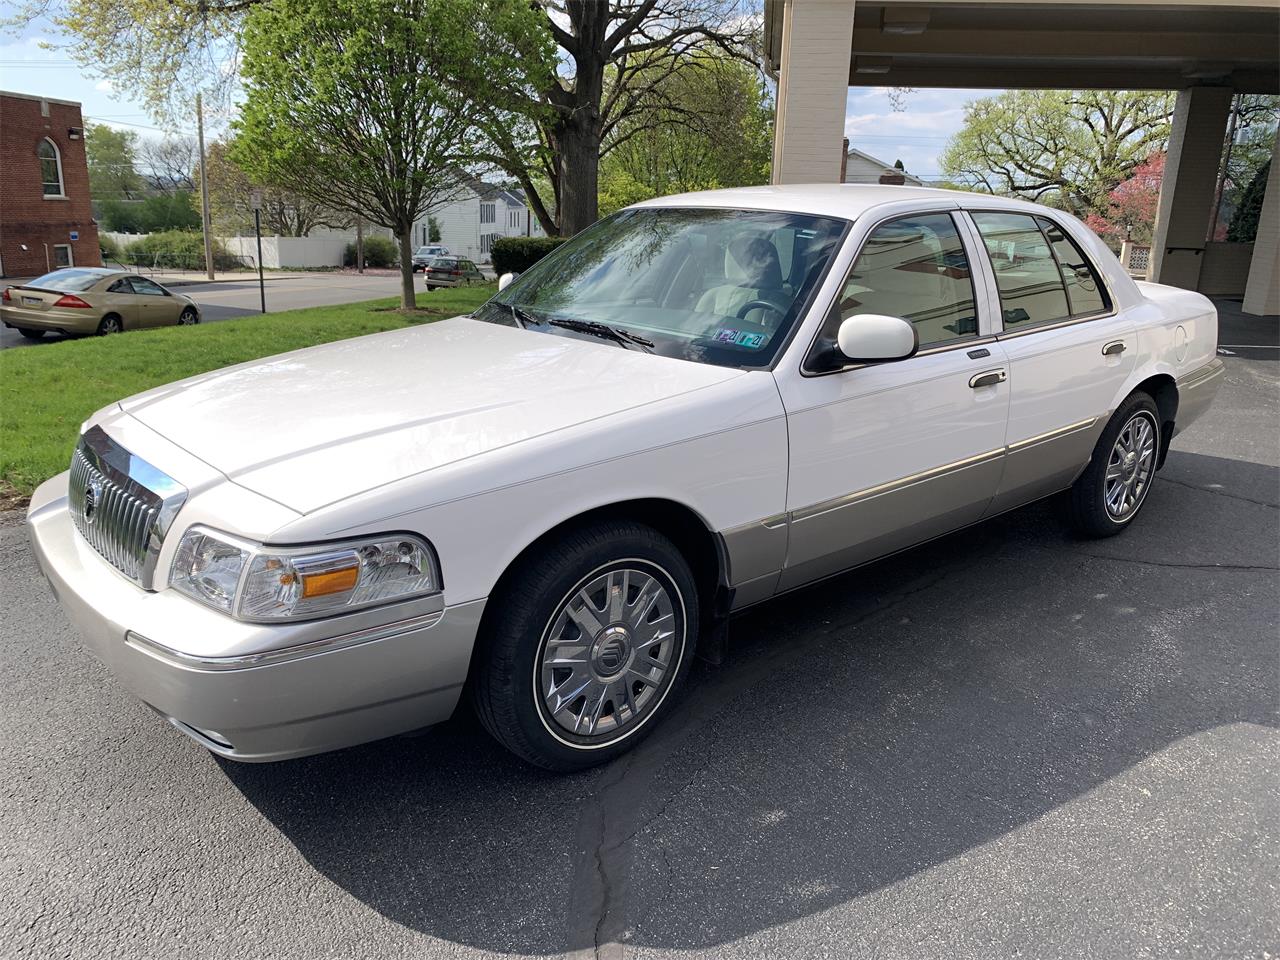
<point>1186,193</point>
<point>1262,290</point>
<point>813,87</point>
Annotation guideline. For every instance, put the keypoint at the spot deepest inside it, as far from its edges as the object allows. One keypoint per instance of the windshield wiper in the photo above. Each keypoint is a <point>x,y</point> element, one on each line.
<point>601,330</point>
<point>523,317</point>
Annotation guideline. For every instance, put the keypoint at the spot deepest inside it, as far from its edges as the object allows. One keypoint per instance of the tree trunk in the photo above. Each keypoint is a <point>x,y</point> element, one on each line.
<point>408,299</point>
<point>579,143</point>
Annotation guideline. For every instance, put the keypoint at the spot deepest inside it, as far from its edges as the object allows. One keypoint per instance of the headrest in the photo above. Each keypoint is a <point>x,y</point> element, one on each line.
<point>752,262</point>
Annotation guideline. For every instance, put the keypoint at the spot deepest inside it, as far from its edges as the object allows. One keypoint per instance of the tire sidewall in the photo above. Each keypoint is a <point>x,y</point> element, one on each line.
<point>514,640</point>
<point>1136,405</point>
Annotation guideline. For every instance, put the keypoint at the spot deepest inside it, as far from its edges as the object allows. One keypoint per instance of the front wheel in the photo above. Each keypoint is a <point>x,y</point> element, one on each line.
<point>586,643</point>
<point>188,317</point>
<point>1114,486</point>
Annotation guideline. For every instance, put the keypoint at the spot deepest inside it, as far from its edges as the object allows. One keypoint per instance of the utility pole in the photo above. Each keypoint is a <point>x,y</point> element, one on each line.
<point>204,189</point>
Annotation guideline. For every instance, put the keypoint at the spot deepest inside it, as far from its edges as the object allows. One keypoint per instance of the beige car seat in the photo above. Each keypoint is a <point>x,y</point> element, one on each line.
<point>752,272</point>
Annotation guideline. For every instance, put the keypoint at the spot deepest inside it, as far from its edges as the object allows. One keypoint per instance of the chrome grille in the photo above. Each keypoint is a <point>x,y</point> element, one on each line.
<point>121,505</point>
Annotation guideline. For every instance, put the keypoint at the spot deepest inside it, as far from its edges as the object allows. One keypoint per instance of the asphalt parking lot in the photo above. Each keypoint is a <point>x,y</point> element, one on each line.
<point>1005,743</point>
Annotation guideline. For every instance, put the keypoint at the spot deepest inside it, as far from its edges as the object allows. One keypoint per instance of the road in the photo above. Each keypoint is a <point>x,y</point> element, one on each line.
<point>1005,743</point>
<point>225,299</point>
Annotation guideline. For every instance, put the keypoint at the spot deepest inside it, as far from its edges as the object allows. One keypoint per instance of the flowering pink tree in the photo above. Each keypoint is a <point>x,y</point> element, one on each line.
<point>1131,207</point>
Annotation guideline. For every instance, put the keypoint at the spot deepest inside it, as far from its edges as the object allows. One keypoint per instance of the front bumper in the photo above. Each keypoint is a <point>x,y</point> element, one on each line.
<point>248,691</point>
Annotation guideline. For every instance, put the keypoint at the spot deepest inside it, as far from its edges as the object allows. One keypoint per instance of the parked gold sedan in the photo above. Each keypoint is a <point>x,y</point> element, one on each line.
<point>93,300</point>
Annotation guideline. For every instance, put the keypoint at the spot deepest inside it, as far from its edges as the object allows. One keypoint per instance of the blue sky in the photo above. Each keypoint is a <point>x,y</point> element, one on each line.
<point>916,135</point>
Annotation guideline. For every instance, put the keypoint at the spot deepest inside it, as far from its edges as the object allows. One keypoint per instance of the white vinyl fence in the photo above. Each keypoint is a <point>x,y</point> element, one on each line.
<point>289,251</point>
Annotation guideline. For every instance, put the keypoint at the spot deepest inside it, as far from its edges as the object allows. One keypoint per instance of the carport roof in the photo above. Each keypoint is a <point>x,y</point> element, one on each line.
<point>1125,44</point>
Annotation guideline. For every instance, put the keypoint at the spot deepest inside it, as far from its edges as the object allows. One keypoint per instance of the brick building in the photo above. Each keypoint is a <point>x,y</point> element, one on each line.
<point>44,187</point>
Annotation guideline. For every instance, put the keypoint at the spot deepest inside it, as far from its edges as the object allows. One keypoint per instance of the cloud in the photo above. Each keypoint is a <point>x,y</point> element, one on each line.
<point>104,86</point>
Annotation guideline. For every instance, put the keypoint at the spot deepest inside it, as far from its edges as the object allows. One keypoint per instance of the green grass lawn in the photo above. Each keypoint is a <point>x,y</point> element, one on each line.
<point>47,391</point>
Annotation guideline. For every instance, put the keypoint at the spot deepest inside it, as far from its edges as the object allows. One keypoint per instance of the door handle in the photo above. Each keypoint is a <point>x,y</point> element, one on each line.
<point>988,379</point>
<point>1113,349</point>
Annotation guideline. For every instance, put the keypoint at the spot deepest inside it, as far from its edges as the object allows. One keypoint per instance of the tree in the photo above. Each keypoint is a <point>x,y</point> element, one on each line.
<point>284,213</point>
<point>346,103</point>
<point>1130,210</point>
<point>153,214</point>
<point>170,164</point>
<point>714,129</point>
<point>618,55</point>
<point>1068,148</point>
<point>110,155</point>
<point>1244,224</point>
<point>433,230</point>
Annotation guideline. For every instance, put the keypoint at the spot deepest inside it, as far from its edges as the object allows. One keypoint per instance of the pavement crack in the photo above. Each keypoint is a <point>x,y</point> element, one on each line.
<point>1179,566</point>
<point>1218,493</point>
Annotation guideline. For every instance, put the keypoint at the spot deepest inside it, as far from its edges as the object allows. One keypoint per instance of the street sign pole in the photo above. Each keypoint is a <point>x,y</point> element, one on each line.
<point>256,198</point>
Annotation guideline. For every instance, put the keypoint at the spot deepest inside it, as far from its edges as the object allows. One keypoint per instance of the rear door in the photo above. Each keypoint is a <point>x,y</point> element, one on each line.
<point>889,454</point>
<point>156,306</point>
<point>472,273</point>
<point>1069,351</point>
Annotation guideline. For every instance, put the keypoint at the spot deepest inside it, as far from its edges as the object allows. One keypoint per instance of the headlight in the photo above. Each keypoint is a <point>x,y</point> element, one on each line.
<point>253,582</point>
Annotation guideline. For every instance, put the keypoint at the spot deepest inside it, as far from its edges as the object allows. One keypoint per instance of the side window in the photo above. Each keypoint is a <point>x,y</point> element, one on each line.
<point>914,268</point>
<point>121,286</point>
<point>143,286</point>
<point>1085,292</point>
<point>1027,275</point>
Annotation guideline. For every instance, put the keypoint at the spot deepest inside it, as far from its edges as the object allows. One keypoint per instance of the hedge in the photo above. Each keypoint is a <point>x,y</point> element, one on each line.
<point>518,254</point>
<point>378,252</point>
<point>176,249</point>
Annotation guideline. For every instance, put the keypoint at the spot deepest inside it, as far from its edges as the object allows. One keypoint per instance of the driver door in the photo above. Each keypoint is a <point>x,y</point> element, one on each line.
<point>890,454</point>
<point>156,306</point>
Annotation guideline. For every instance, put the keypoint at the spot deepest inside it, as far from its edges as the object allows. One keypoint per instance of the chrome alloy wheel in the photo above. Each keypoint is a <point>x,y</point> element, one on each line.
<point>1130,466</point>
<point>610,653</point>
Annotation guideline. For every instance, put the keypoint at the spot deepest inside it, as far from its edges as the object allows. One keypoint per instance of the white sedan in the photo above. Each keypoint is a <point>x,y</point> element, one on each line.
<point>693,406</point>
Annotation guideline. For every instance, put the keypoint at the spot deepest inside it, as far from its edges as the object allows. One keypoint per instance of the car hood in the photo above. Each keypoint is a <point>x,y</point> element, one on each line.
<point>314,426</point>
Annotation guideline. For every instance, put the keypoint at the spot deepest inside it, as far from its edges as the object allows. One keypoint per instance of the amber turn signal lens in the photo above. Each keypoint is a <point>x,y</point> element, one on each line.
<point>331,581</point>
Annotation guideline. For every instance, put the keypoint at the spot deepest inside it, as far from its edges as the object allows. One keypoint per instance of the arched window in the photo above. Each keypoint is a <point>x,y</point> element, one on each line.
<point>50,168</point>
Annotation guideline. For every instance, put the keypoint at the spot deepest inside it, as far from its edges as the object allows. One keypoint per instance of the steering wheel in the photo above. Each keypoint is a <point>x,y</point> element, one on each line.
<point>758,304</point>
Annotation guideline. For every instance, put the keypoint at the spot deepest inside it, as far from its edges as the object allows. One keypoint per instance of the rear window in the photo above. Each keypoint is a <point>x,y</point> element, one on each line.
<point>67,280</point>
<point>444,264</point>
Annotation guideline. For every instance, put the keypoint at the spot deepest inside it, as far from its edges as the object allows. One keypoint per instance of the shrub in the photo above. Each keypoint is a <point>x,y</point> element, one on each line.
<point>112,250</point>
<point>518,254</point>
<point>176,250</point>
<point>378,252</point>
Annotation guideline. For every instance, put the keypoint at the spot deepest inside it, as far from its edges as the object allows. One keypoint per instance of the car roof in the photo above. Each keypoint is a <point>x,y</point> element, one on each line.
<point>848,200</point>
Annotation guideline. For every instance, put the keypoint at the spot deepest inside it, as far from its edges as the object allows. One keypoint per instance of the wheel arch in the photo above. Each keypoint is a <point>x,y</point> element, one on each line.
<point>1163,389</point>
<point>702,547</point>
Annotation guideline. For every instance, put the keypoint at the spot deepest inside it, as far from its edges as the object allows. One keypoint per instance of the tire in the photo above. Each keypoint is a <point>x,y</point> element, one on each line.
<point>31,334</point>
<point>188,317</point>
<point>1114,486</point>
<point>110,324</point>
<point>564,705</point>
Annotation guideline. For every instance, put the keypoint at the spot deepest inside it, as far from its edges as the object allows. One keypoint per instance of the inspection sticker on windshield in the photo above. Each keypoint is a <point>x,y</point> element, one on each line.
<point>742,338</point>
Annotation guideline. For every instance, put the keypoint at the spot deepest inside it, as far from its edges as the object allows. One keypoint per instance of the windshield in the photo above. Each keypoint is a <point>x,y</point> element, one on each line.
<point>717,286</point>
<point>67,280</point>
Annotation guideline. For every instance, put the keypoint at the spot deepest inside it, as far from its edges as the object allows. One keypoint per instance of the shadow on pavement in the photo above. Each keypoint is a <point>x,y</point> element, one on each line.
<point>860,732</point>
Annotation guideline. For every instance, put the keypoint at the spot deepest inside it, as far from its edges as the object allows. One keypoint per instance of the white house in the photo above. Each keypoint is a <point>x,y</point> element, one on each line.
<point>477,215</point>
<point>861,167</point>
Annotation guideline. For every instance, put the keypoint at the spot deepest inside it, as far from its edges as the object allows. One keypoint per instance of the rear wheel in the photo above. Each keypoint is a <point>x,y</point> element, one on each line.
<point>110,324</point>
<point>1113,488</point>
<point>31,334</point>
<point>585,645</point>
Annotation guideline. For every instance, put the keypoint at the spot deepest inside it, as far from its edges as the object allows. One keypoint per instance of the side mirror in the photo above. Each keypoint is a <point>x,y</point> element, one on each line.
<point>875,338</point>
<point>506,280</point>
